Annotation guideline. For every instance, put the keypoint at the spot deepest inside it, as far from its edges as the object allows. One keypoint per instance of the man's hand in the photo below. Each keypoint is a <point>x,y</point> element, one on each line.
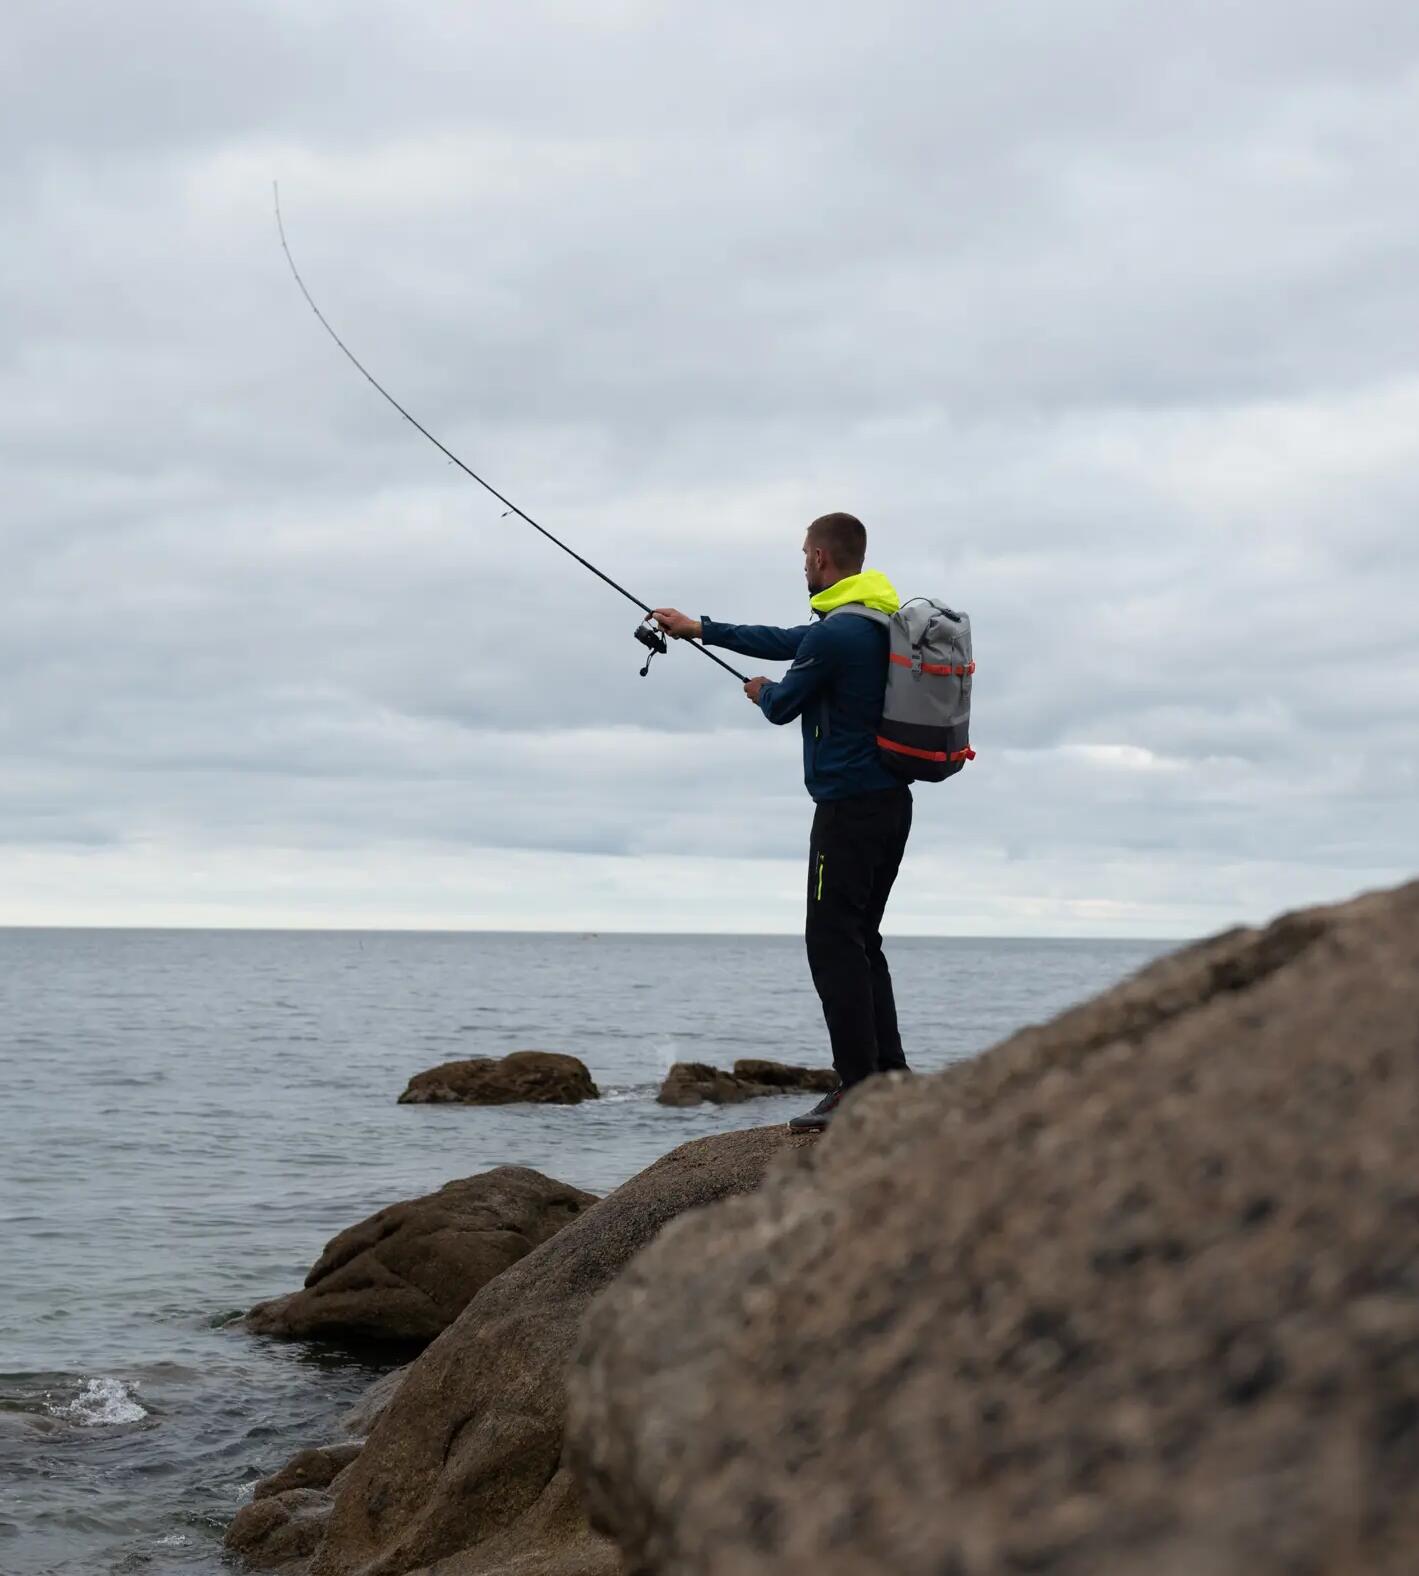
<point>753,688</point>
<point>677,624</point>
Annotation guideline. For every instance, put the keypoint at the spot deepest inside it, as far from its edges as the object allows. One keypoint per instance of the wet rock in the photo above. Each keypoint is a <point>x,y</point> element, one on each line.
<point>783,1076</point>
<point>407,1272</point>
<point>274,1533</point>
<point>690,1083</point>
<point>535,1077</point>
<point>1136,1291</point>
<point>465,1461</point>
<point>317,1468</point>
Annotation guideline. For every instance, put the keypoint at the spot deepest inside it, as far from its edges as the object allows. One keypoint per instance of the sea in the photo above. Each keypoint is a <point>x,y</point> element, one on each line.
<point>188,1116</point>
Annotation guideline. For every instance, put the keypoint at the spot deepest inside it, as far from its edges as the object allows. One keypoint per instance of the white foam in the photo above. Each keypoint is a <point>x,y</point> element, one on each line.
<point>642,1092</point>
<point>101,1403</point>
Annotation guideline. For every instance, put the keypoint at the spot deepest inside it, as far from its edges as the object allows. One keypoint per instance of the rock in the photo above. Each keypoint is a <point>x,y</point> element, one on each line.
<point>1135,1292</point>
<point>316,1468</point>
<point>407,1272</point>
<point>466,1458</point>
<point>364,1414</point>
<point>689,1083</point>
<point>536,1077</point>
<point>780,1075</point>
<point>276,1532</point>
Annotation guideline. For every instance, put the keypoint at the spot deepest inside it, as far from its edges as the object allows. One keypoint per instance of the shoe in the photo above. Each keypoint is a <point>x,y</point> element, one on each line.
<point>817,1119</point>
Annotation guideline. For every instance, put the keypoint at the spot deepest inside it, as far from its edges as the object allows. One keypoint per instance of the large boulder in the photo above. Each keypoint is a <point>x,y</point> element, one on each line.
<point>1135,1292</point>
<point>464,1464</point>
<point>405,1274</point>
<point>523,1077</point>
<point>690,1083</point>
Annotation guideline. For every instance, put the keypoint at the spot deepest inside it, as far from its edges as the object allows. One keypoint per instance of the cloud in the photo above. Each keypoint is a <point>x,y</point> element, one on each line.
<point>1102,320</point>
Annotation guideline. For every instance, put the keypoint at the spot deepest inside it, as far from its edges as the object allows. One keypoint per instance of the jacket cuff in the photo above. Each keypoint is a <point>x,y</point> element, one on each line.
<point>706,624</point>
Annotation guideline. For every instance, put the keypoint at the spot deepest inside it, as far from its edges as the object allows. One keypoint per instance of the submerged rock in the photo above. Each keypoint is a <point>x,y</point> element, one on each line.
<point>690,1083</point>
<point>407,1272</point>
<point>523,1077</point>
<point>1135,1292</point>
<point>466,1459</point>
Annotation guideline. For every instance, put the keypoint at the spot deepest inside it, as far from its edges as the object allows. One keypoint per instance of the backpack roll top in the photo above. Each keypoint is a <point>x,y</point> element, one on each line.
<point>926,710</point>
<point>926,706</point>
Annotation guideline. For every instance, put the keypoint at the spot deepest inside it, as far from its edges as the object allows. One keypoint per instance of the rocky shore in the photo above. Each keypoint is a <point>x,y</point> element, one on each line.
<point>405,1274</point>
<point>1136,1291</point>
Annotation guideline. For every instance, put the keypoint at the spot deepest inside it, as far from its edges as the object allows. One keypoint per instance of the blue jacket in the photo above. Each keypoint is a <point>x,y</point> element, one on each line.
<point>841,661</point>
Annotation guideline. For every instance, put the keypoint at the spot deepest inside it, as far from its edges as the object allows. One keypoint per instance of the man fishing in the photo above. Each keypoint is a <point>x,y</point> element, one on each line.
<point>863,813</point>
<point>837,685</point>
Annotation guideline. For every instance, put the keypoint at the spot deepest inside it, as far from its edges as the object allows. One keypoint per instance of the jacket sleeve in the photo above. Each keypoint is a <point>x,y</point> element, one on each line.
<point>755,640</point>
<point>804,681</point>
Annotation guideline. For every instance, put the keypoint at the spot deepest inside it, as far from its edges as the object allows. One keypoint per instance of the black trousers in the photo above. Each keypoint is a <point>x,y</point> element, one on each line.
<point>853,856</point>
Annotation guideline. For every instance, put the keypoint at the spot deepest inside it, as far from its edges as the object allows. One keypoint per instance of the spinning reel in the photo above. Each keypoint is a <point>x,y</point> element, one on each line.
<point>649,634</point>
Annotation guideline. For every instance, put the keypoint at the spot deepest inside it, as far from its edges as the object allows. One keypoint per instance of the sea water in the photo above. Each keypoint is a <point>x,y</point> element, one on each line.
<point>189,1116</point>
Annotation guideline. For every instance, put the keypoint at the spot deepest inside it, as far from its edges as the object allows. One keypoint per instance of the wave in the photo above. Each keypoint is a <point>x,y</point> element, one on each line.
<point>100,1404</point>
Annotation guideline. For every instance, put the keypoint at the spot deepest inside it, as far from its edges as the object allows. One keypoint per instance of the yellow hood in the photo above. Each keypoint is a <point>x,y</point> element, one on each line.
<point>872,588</point>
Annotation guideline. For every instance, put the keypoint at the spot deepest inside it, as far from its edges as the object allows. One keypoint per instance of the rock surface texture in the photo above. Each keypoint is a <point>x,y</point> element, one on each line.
<point>524,1077</point>
<point>406,1273</point>
<point>317,1468</point>
<point>1135,1292</point>
<point>280,1531</point>
<point>690,1083</point>
<point>365,1413</point>
<point>463,1468</point>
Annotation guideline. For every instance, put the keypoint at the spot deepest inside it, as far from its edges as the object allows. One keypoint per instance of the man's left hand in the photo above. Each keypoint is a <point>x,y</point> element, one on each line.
<point>753,688</point>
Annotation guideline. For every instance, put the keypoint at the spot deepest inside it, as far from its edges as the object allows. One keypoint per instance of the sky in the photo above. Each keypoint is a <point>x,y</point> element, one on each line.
<point>1103,318</point>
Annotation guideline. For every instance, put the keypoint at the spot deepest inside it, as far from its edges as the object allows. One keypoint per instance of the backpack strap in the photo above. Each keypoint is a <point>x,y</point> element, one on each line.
<point>860,610</point>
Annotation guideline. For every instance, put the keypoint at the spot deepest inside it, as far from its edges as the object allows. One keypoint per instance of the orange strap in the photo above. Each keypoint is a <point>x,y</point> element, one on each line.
<point>967,754</point>
<point>943,668</point>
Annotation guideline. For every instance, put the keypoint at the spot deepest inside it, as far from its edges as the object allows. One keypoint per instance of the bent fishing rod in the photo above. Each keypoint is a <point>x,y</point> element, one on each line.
<point>648,632</point>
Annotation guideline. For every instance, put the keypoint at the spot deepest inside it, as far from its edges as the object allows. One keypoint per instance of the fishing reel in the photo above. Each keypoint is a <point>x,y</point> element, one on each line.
<point>648,632</point>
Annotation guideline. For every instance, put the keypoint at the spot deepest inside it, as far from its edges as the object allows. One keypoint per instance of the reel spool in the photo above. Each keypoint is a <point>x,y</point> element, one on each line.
<point>649,634</point>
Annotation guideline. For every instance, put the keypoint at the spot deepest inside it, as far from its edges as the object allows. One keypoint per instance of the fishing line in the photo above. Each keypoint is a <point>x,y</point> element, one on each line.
<point>648,633</point>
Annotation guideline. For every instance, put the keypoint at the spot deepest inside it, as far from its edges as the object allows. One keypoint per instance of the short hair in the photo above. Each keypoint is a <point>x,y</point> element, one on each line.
<point>843,537</point>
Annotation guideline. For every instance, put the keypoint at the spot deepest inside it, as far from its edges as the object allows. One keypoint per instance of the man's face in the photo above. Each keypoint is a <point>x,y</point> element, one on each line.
<point>813,567</point>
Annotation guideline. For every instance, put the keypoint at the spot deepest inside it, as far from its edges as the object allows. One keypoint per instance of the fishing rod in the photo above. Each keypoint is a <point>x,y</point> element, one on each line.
<point>648,632</point>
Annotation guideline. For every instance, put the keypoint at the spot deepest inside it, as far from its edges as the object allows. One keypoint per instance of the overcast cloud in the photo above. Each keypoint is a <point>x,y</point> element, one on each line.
<point>1102,316</point>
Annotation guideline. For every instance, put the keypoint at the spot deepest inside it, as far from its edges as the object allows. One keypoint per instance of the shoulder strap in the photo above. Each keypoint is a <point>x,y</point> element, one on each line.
<point>861,610</point>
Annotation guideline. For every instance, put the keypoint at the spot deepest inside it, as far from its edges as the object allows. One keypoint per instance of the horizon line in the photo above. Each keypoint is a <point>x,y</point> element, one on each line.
<point>582,934</point>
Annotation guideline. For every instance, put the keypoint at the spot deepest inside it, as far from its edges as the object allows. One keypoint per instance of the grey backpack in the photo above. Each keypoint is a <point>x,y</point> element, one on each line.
<point>926,711</point>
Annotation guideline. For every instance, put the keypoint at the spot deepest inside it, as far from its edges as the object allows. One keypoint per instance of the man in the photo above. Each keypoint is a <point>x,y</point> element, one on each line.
<point>863,814</point>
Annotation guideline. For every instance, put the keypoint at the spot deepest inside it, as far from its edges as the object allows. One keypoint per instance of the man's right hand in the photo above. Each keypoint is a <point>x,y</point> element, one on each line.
<point>677,624</point>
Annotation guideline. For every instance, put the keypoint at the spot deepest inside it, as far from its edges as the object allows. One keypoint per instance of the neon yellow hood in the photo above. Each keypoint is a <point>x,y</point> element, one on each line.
<point>872,588</point>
